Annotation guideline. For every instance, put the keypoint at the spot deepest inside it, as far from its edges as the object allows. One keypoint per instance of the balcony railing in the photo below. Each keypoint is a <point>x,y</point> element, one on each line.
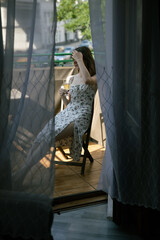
<point>43,60</point>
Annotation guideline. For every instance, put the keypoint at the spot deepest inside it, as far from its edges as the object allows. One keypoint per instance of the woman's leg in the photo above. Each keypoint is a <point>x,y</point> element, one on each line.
<point>67,132</point>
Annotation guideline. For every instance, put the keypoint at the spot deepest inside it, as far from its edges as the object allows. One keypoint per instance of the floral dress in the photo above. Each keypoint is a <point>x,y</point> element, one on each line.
<point>78,111</point>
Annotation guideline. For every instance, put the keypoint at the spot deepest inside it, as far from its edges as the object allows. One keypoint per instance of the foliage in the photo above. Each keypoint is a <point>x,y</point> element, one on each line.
<point>75,14</point>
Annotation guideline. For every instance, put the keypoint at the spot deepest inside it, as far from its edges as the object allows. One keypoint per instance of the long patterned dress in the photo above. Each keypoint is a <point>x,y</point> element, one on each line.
<point>78,111</point>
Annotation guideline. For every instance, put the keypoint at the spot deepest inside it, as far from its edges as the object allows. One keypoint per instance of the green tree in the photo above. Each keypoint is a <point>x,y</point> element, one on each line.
<point>75,14</point>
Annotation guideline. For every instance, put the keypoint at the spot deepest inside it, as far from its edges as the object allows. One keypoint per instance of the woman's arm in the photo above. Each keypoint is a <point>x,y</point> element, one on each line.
<point>83,70</point>
<point>92,81</point>
<point>78,57</point>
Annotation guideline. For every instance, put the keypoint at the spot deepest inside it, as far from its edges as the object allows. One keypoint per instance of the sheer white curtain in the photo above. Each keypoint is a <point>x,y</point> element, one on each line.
<point>27,33</point>
<point>101,21</point>
<point>125,38</point>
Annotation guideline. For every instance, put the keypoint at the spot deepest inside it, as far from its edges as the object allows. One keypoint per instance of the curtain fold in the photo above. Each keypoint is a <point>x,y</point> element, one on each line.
<point>27,42</point>
<point>125,37</point>
<point>101,21</point>
<point>17,117</point>
<point>7,57</point>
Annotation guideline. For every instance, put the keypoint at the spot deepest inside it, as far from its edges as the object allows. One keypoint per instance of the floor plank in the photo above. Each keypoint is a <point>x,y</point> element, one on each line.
<point>89,223</point>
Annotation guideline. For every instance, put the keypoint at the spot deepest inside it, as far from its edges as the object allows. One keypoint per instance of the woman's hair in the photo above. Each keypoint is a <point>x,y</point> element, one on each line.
<point>88,59</point>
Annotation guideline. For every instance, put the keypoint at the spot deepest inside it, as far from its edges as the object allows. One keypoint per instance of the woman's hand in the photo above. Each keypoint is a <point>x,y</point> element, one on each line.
<point>77,55</point>
<point>65,95</point>
<point>62,91</point>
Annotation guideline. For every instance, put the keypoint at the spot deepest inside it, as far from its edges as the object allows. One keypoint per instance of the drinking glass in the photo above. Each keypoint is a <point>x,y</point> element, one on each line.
<point>66,84</point>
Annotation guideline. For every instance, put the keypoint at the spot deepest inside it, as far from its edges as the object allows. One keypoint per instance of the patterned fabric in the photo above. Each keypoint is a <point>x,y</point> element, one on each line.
<point>77,111</point>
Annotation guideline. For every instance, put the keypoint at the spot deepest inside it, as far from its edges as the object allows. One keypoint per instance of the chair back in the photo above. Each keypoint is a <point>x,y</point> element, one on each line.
<point>88,131</point>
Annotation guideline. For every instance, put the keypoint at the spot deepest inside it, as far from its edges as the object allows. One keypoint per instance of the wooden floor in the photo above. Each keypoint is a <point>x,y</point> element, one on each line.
<point>68,179</point>
<point>89,223</point>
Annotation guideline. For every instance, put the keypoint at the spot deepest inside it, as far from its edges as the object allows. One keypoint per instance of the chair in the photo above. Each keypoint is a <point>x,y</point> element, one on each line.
<point>86,154</point>
<point>102,130</point>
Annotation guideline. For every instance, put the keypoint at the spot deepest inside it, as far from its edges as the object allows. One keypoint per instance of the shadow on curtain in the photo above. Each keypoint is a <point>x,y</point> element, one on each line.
<point>27,32</point>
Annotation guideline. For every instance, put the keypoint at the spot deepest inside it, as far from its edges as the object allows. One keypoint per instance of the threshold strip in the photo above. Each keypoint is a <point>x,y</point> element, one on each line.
<point>69,202</point>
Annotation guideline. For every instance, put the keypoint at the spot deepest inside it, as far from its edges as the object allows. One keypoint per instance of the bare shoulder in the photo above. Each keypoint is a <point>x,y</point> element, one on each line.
<point>94,77</point>
<point>93,82</point>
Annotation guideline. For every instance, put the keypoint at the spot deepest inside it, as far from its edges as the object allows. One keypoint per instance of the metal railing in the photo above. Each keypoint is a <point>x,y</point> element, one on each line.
<point>43,60</point>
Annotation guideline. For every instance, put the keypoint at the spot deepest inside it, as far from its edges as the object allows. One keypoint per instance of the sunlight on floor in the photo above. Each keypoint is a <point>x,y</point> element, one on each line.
<point>68,179</point>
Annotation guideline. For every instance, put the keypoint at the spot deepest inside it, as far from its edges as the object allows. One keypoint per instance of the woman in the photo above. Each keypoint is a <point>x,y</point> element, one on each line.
<point>74,119</point>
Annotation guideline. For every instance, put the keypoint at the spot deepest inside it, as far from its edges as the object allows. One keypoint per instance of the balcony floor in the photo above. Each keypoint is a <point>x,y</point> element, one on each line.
<point>68,179</point>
